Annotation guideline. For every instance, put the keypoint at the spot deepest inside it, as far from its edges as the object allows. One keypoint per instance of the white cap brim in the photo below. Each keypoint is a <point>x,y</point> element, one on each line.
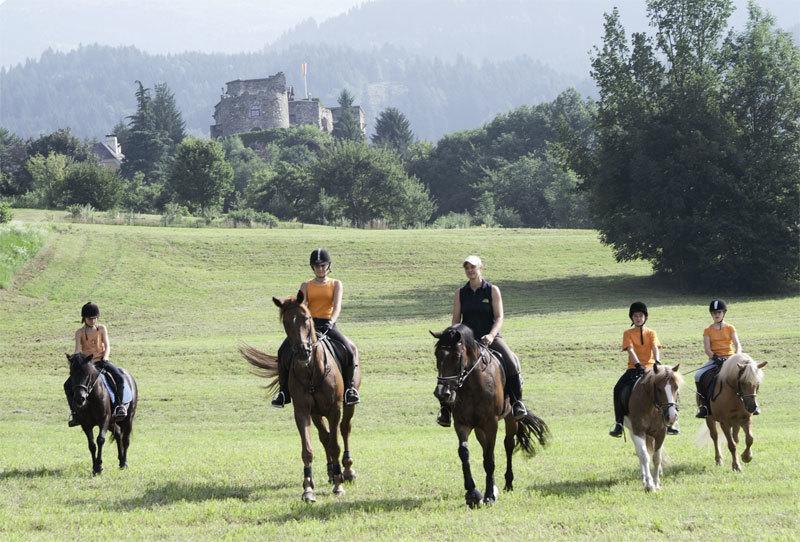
<point>474,260</point>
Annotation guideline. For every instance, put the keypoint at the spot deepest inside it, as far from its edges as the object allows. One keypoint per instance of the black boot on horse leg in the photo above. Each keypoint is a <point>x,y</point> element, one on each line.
<point>473,496</point>
<point>282,398</point>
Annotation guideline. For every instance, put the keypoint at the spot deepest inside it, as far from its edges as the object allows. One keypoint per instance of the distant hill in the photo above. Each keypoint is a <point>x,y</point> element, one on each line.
<point>558,33</point>
<point>90,89</point>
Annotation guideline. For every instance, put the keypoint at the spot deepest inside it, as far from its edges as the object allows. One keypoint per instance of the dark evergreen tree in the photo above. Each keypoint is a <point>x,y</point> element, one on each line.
<point>348,125</point>
<point>14,178</point>
<point>167,118</point>
<point>393,131</point>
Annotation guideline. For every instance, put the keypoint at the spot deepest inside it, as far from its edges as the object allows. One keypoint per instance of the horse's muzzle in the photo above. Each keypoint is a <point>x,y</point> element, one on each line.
<point>670,414</point>
<point>80,398</point>
<point>444,394</point>
<point>751,405</point>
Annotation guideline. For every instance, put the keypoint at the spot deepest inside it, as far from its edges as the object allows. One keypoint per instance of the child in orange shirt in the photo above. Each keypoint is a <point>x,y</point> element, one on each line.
<point>719,342</point>
<point>642,344</point>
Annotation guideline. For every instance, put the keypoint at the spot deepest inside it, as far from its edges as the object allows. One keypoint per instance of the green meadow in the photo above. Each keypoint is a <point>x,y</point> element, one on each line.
<point>210,459</point>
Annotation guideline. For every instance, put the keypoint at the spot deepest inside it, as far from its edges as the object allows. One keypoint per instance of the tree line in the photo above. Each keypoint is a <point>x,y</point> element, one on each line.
<point>689,159</point>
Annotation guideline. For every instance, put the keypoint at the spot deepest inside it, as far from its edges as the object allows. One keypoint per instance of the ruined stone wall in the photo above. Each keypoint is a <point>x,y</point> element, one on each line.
<point>254,104</point>
<point>304,112</point>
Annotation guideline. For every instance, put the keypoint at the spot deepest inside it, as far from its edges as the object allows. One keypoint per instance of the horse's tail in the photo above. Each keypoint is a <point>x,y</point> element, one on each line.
<point>266,366</point>
<point>530,428</point>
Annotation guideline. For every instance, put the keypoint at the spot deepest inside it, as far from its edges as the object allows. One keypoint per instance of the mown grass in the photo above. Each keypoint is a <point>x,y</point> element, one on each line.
<point>210,459</point>
<point>17,245</point>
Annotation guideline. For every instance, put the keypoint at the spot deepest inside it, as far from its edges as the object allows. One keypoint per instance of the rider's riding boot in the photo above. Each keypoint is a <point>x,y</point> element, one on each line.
<point>72,422</point>
<point>702,412</point>
<point>518,410</point>
<point>283,397</point>
<point>120,412</point>
<point>672,430</point>
<point>350,393</point>
<point>444,416</point>
<point>68,392</point>
<point>702,408</point>
<point>617,430</point>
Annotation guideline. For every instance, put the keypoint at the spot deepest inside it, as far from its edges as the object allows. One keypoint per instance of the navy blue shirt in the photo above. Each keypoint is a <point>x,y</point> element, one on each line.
<point>476,308</point>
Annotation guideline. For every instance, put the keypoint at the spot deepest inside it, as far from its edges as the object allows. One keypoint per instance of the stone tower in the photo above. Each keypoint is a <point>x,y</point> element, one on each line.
<point>252,104</point>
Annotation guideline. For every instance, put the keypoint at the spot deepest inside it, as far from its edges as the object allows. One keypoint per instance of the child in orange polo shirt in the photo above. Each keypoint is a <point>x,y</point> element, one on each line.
<point>641,343</point>
<point>719,342</point>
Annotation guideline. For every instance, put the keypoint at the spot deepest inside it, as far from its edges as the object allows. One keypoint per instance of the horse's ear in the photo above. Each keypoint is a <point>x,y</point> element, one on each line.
<point>436,335</point>
<point>278,301</point>
<point>300,296</point>
<point>762,365</point>
<point>68,358</point>
<point>675,369</point>
<point>655,368</point>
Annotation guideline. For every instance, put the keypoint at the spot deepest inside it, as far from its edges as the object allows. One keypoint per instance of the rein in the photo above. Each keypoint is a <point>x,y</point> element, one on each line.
<point>311,388</point>
<point>94,383</point>
<point>464,374</point>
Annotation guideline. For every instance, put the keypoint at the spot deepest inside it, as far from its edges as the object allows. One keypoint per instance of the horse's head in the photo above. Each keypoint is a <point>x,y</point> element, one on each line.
<point>455,347</point>
<point>299,327</point>
<point>84,376</point>
<point>666,383</point>
<point>744,375</point>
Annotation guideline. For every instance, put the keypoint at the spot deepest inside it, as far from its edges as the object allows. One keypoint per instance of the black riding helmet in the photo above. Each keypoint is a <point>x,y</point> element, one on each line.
<point>90,310</point>
<point>318,256</point>
<point>717,305</point>
<point>637,306</point>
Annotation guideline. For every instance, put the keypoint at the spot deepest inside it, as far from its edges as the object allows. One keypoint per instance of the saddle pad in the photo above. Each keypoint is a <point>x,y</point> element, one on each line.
<point>128,394</point>
<point>336,349</point>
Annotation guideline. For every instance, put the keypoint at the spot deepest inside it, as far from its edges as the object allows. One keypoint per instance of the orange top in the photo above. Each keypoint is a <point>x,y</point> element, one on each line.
<point>721,339</point>
<point>320,298</point>
<point>92,344</point>
<point>642,343</point>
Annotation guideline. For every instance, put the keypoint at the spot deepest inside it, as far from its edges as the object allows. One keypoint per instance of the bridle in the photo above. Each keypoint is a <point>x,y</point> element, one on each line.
<point>664,407</point>
<point>91,386</point>
<point>456,381</point>
<point>742,396</point>
<point>305,350</point>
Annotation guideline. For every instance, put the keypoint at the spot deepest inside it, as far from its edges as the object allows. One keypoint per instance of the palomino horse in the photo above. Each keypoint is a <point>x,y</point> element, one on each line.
<point>317,390</point>
<point>733,403</point>
<point>651,408</point>
<point>94,408</point>
<point>470,381</point>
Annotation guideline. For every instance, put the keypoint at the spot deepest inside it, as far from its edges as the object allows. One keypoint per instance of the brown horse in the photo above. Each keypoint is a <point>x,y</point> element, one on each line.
<point>652,407</point>
<point>733,403</point>
<point>94,408</point>
<point>316,388</point>
<point>470,380</point>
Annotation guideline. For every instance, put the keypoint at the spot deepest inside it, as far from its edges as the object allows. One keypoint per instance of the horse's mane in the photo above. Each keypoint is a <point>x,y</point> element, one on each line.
<point>290,305</point>
<point>662,374</point>
<point>730,369</point>
<point>459,333</point>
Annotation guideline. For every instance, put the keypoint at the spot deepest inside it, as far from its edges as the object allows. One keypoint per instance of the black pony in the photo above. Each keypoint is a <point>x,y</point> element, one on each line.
<point>94,407</point>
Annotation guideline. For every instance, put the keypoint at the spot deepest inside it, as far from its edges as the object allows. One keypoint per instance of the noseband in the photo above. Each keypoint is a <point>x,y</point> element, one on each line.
<point>91,386</point>
<point>455,382</point>
<point>663,407</point>
<point>739,392</point>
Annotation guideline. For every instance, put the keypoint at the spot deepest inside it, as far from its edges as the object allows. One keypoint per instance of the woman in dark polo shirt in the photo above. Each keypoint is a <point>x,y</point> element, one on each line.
<point>479,306</point>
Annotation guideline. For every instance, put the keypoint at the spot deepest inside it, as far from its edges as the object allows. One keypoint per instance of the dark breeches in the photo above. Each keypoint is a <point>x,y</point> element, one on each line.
<point>333,332</point>
<point>116,374</point>
<point>509,358</point>
<point>627,379</point>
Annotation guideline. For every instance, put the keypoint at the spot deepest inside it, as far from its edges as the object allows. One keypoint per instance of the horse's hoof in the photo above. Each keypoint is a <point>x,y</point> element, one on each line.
<point>123,466</point>
<point>308,496</point>
<point>489,501</point>
<point>473,498</point>
<point>95,472</point>
<point>747,458</point>
<point>509,487</point>
<point>349,475</point>
<point>719,462</point>
<point>737,468</point>
<point>649,487</point>
<point>338,490</point>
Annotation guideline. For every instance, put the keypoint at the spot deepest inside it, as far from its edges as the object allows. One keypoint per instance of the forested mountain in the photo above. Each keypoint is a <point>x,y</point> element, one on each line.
<point>558,33</point>
<point>91,89</point>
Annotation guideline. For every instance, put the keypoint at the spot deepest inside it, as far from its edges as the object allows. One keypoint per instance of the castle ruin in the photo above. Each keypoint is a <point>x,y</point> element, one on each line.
<point>261,104</point>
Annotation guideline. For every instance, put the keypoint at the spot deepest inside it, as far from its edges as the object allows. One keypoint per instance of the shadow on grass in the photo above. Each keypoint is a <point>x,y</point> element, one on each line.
<point>30,473</point>
<point>576,293</point>
<point>577,488</point>
<point>173,492</point>
<point>331,509</point>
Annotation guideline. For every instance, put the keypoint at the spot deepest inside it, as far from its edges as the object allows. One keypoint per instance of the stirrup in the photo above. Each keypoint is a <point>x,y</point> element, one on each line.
<point>617,430</point>
<point>518,410</point>
<point>702,412</point>
<point>280,400</point>
<point>351,397</point>
<point>443,418</point>
<point>120,412</point>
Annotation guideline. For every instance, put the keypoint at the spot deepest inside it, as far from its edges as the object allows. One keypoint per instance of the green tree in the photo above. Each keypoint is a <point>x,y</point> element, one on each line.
<point>200,177</point>
<point>393,130</point>
<point>669,176</point>
<point>287,192</point>
<point>47,174</point>
<point>168,120</point>
<point>14,178</point>
<point>370,183</point>
<point>61,142</point>
<point>90,183</point>
<point>348,125</point>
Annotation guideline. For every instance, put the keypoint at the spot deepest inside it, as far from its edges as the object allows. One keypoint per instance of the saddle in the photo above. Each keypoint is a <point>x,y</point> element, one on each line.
<point>335,349</point>
<point>625,393</point>
<point>108,382</point>
<point>708,383</point>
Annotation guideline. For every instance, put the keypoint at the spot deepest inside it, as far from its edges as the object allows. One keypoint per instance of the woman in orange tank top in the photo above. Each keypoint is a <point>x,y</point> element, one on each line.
<point>324,299</point>
<point>91,339</point>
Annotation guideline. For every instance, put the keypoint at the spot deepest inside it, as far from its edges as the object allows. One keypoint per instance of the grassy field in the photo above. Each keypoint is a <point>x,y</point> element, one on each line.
<point>210,459</point>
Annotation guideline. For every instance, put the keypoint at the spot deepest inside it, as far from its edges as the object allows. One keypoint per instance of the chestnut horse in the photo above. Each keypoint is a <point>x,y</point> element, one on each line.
<point>471,381</point>
<point>317,390</point>
<point>94,408</point>
<point>733,403</point>
<point>653,405</point>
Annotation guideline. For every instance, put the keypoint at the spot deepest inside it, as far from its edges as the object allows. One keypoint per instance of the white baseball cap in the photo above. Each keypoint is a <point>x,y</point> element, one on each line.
<point>474,260</point>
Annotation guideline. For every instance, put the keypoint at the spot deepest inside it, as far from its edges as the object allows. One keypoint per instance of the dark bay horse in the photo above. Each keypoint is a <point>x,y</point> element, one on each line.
<point>653,405</point>
<point>733,402</point>
<point>94,408</point>
<point>317,391</point>
<point>471,381</point>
